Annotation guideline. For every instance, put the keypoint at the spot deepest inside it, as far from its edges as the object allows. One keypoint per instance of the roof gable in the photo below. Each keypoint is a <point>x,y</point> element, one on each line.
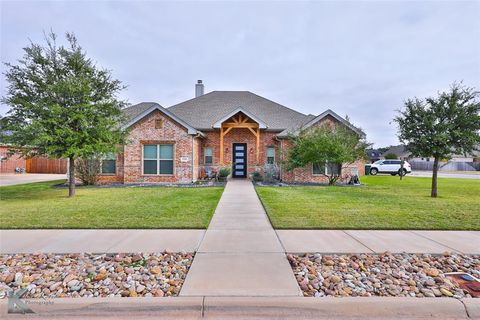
<point>318,118</point>
<point>329,112</point>
<point>140,111</point>
<point>261,124</point>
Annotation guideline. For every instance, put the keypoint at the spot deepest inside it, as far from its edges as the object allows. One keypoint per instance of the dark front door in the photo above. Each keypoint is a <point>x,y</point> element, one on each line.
<point>239,156</point>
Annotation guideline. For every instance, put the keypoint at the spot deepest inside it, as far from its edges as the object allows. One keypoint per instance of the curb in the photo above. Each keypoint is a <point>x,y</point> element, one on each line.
<point>248,308</point>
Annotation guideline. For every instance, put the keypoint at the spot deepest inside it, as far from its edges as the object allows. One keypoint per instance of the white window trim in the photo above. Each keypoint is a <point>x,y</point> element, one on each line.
<point>158,160</point>
<point>274,155</point>
<point>205,155</point>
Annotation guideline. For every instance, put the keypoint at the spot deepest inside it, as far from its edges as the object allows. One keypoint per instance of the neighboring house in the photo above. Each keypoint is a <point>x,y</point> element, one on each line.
<point>238,129</point>
<point>374,155</point>
<point>400,151</point>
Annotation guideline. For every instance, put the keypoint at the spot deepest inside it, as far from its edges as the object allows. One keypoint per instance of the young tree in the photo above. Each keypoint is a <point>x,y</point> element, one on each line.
<point>441,126</point>
<point>62,104</point>
<point>333,147</point>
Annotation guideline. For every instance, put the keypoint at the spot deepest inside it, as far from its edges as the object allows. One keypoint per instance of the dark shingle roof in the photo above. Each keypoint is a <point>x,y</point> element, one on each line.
<point>202,112</point>
<point>137,109</point>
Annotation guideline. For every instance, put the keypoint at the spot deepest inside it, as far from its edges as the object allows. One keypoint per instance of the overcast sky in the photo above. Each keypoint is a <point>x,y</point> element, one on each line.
<point>357,58</point>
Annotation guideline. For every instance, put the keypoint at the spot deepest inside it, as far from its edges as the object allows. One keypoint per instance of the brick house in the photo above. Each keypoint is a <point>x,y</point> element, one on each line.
<point>238,129</point>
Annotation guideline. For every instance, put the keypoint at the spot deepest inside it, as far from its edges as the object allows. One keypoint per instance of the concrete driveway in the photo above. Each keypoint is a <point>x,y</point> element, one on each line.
<point>8,179</point>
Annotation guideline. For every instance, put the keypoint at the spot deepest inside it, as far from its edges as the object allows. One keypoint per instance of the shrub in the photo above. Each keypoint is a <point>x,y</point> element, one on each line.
<point>223,172</point>
<point>272,173</point>
<point>88,170</point>
<point>257,176</point>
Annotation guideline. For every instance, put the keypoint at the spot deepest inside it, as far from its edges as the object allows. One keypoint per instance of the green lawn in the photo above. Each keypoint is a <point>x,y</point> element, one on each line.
<point>38,205</point>
<point>384,203</point>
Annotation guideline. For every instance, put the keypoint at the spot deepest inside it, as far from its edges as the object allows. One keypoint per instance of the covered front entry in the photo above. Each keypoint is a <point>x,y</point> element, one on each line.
<point>239,163</point>
<point>239,119</point>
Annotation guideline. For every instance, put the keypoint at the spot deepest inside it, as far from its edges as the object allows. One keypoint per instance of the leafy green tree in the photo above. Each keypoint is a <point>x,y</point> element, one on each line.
<point>335,147</point>
<point>390,156</point>
<point>62,104</point>
<point>441,126</point>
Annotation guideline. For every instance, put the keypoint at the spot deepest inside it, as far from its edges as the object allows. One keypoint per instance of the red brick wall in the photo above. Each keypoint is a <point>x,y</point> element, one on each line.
<point>144,132</point>
<point>9,163</point>
<point>129,161</point>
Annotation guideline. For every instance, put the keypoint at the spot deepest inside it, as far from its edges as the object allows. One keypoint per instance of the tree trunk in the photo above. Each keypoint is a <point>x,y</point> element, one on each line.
<point>71,177</point>
<point>401,169</point>
<point>434,178</point>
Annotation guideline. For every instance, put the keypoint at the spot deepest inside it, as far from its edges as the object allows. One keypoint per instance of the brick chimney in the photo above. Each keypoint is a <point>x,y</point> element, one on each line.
<point>199,88</point>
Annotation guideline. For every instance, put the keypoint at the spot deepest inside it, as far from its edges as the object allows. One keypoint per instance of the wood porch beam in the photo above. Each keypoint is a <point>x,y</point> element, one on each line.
<point>239,125</point>
<point>227,131</point>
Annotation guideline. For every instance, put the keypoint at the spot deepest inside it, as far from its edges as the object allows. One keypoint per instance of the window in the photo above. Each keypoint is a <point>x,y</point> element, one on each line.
<point>158,159</point>
<point>109,164</point>
<point>158,124</point>
<point>318,168</point>
<point>270,155</point>
<point>327,168</point>
<point>208,155</point>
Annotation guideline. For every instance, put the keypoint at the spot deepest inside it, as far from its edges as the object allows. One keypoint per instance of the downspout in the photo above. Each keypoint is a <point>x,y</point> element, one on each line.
<point>198,135</point>
<point>193,156</point>
<point>281,160</point>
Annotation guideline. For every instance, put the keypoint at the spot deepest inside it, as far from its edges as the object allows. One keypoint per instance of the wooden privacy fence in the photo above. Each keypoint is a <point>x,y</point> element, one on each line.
<point>446,166</point>
<point>45,165</point>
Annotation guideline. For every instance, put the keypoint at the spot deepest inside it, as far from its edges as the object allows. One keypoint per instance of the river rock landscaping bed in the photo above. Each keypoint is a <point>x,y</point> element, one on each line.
<point>387,274</point>
<point>94,275</point>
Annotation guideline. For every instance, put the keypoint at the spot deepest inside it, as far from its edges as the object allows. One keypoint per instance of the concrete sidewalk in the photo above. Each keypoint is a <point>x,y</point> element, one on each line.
<point>293,241</point>
<point>240,254</point>
<point>378,241</point>
<point>7,179</point>
<point>99,241</point>
<point>249,308</point>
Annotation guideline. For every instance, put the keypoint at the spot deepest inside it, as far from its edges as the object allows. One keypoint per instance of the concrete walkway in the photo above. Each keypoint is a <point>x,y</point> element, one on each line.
<point>240,254</point>
<point>10,179</point>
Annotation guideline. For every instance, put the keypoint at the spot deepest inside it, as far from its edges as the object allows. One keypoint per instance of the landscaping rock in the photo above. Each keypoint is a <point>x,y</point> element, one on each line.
<point>387,274</point>
<point>92,275</point>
